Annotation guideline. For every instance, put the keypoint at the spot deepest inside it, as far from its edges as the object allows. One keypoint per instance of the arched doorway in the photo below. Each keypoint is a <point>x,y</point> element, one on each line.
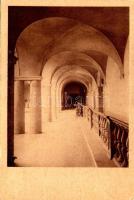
<point>73,93</point>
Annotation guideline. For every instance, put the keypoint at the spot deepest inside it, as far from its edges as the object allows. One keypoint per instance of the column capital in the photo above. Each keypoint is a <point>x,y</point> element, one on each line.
<point>29,78</point>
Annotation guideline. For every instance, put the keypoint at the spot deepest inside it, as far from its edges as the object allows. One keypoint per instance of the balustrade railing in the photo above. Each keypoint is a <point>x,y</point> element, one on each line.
<point>113,132</point>
<point>119,141</point>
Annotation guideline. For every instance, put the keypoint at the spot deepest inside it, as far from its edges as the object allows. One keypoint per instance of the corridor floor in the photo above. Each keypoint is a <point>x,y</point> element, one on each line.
<point>63,145</point>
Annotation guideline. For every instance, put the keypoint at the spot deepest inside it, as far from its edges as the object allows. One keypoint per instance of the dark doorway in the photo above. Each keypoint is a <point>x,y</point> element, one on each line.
<point>73,93</point>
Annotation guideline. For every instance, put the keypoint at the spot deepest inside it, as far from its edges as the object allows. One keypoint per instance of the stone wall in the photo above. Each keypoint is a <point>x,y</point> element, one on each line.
<point>116,94</point>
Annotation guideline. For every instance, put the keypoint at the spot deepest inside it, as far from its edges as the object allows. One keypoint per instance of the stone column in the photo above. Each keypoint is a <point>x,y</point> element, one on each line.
<point>53,104</point>
<point>19,107</point>
<point>45,105</point>
<point>27,108</point>
<point>100,96</point>
<point>10,122</point>
<point>35,107</point>
<point>100,92</point>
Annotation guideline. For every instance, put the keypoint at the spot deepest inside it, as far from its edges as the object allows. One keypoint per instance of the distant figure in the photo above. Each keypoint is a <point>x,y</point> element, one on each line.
<point>79,109</point>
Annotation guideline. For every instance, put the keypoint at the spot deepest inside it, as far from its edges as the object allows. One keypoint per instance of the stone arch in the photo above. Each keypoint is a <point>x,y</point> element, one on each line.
<point>71,58</point>
<point>72,93</point>
<point>66,79</point>
<point>57,94</point>
<point>43,36</point>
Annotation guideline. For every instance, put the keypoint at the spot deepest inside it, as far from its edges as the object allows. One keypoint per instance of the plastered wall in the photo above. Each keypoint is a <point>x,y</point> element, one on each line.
<point>116,93</point>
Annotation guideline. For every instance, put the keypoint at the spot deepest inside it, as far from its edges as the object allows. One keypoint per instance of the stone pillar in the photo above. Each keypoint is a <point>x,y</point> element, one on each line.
<point>100,100</point>
<point>35,107</point>
<point>99,92</point>
<point>58,107</point>
<point>10,137</point>
<point>45,105</point>
<point>19,107</point>
<point>53,104</point>
<point>27,107</point>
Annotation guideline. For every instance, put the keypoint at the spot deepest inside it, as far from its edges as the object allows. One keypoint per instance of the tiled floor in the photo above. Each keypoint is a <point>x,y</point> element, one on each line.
<point>65,144</point>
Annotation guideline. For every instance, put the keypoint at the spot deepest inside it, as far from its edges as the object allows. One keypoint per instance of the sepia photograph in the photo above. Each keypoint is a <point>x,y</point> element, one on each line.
<point>68,86</point>
<point>66,100</point>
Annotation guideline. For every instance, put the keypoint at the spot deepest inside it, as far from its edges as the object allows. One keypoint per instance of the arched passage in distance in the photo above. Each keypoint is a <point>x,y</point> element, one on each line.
<point>72,93</point>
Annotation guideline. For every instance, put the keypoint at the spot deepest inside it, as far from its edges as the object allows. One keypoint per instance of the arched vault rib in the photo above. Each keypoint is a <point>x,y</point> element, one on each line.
<point>80,77</point>
<point>53,35</point>
<point>83,38</point>
<point>71,58</point>
<point>37,38</point>
<point>73,70</point>
<point>68,77</point>
<point>68,80</point>
<point>82,60</point>
<point>56,90</point>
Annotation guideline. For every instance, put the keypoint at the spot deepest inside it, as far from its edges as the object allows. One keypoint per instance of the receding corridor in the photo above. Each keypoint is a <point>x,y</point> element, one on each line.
<point>65,144</point>
<point>68,87</point>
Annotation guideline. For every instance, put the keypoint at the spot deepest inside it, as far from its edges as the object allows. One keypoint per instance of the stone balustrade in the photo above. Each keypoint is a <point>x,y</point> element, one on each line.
<point>113,132</point>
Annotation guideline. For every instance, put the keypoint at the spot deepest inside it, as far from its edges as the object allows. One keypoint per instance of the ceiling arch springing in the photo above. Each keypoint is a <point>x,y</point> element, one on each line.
<point>75,70</point>
<point>68,77</point>
<point>68,80</point>
<point>112,21</point>
<point>78,59</point>
<point>47,37</point>
<point>81,75</point>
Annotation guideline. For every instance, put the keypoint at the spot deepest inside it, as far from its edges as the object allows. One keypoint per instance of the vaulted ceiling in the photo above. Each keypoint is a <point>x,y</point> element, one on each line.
<point>112,21</point>
<point>53,37</point>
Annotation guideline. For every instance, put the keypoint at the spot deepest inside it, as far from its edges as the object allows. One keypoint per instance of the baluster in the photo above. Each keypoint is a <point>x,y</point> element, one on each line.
<point>108,137</point>
<point>100,126</point>
<point>116,142</point>
<point>106,132</point>
<point>113,138</point>
<point>127,153</point>
<point>103,129</point>
<point>91,118</point>
<point>119,144</point>
<point>124,149</point>
<point>97,123</point>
